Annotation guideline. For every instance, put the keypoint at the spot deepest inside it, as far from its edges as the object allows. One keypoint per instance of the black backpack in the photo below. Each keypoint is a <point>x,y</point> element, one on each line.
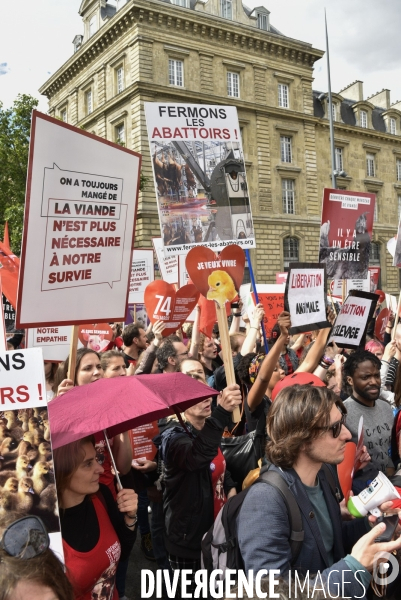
<point>220,549</point>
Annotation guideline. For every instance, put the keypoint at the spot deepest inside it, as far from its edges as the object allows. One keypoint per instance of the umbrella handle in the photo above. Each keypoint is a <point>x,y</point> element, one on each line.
<point>119,486</point>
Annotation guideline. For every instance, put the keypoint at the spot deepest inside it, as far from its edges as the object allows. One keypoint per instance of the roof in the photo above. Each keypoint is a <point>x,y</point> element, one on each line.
<point>347,113</point>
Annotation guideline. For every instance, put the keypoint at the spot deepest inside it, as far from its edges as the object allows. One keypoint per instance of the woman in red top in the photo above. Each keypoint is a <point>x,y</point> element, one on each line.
<point>89,369</point>
<point>96,531</point>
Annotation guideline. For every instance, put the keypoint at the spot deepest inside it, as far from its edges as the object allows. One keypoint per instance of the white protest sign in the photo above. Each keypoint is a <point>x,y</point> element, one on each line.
<point>54,341</point>
<point>363,285</point>
<point>22,396</point>
<point>168,265</point>
<point>78,227</point>
<point>199,175</point>
<point>142,273</point>
<point>350,326</point>
<point>22,379</point>
<point>183,279</point>
<point>305,291</point>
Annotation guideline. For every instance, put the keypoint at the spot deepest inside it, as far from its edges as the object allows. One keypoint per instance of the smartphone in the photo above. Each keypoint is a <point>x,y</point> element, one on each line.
<point>391,525</point>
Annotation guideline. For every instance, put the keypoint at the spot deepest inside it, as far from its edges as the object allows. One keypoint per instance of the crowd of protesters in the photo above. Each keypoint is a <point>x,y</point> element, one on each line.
<point>300,403</point>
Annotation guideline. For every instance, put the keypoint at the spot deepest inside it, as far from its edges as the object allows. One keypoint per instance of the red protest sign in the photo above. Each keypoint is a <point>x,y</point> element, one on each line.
<point>141,441</point>
<point>346,468</point>
<point>381,323</point>
<point>216,277</point>
<point>164,303</point>
<point>272,299</point>
<point>382,296</point>
<point>95,337</point>
<point>346,233</point>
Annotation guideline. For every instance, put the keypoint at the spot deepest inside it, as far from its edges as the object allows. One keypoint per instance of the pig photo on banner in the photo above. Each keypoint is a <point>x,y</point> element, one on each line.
<point>306,297</point>
<point>346,233</point>
<point>349,329</point>
<point>199,176</point>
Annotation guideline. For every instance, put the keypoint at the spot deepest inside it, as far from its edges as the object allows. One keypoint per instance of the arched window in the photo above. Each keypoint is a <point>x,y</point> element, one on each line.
<point>290,251</point>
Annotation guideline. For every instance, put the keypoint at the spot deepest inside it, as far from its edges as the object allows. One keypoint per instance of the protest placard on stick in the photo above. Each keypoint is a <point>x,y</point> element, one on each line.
<point>349,329</point>
<point>305,297</point>
<point>27,482</point>
<point>168,265</point>
<point>346,233</point>
<point>54,341</point>
<point>142,273</point>
<point>164,303</point>
<point>79,226</point>
<point>199,176</point>
<point>219,278</point>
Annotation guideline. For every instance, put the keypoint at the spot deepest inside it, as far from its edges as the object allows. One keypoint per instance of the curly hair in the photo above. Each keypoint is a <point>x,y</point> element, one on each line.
<point>167,350</point>
<point>295,419</point>
<point>242,370</point>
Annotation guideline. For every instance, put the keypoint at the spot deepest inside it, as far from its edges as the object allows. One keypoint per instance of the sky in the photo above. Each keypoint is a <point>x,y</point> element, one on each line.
<point>364,35</point>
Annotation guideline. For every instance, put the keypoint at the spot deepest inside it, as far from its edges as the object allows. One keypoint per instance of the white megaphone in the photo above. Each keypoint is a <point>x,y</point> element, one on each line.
<point>379,490</point>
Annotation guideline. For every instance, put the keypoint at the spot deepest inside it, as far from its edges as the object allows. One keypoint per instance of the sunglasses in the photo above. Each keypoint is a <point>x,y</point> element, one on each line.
<point>336,427</point>
<point>25,538</point>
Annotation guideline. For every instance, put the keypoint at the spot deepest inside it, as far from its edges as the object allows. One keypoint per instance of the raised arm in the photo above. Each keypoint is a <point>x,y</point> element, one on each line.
<point>259,388</point>
<point>250,340</point>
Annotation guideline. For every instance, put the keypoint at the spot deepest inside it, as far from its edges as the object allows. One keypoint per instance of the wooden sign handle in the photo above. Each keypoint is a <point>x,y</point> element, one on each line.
<point>227,355</point>
<point>396,317</point>
<point>73,353</point>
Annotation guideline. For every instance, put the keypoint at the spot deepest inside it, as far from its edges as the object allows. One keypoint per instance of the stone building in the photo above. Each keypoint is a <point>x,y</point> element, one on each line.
<point>220,52</point>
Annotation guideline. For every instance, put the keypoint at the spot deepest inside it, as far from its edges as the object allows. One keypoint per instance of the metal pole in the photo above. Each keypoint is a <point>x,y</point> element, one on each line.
<point>333,155</point>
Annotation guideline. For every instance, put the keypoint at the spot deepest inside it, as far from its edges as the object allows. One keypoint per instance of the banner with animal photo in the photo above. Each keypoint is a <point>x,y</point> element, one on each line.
<point>349,329</point>
<point>199,175</point>
<point>306,296</point>
<point>136,313</point>
<point>26,475</point>
<point>346,233</point>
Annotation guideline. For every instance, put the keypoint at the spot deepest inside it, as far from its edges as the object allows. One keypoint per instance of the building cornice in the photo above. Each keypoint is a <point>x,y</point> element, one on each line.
<point>361,131</point>
<point>200,26</point>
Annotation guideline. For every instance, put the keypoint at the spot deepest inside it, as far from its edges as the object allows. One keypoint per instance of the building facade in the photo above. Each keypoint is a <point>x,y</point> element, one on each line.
<point>219,52</point>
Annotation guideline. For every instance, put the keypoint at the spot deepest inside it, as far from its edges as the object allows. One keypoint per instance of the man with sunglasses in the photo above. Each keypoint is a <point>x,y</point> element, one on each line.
<point>306,425</point>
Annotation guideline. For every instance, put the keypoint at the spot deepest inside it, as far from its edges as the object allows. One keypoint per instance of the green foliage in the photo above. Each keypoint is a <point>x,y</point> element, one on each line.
<point>15,126</point>
<point>143,180</point>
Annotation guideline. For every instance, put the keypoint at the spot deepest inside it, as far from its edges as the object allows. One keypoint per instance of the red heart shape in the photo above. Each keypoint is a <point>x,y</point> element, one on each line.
<point>95,336</point>
<point>201,262</point>
<point>164,303</point>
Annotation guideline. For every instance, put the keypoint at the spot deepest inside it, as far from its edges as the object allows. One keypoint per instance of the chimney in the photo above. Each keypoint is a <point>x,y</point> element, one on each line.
<point>381,99</point>
<point>354,91</point>
<point>396,105</point>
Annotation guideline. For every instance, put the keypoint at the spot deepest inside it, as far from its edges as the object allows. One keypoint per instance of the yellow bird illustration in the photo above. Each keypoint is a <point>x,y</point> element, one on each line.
<point>221,287</point>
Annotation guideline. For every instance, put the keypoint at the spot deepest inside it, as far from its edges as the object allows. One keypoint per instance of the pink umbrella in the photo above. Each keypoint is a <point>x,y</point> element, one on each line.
<point>121,403</point>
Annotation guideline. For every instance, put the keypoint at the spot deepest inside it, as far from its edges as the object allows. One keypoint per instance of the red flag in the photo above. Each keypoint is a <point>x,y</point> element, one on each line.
<point>207,316</point>
<point>9,271</point>
<point>6,237</point>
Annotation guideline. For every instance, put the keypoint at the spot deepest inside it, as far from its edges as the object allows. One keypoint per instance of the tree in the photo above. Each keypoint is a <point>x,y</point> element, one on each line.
<point>15,127</point>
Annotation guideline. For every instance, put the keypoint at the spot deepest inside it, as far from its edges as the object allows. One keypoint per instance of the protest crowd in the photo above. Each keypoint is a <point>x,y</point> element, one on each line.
<point>300,404</point>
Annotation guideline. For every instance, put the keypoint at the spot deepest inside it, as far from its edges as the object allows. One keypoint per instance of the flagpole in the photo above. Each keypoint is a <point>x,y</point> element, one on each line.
<point>333,156</point>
